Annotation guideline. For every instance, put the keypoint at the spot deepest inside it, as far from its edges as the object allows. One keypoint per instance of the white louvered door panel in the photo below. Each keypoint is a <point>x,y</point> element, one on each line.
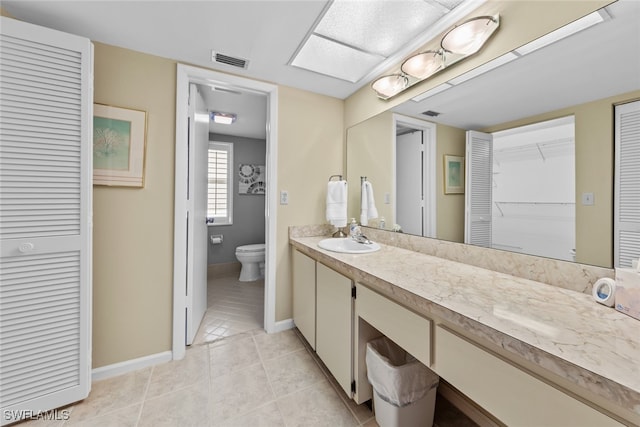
<point>627,184</point>
<point>478,189</point>
<point>46,96</point>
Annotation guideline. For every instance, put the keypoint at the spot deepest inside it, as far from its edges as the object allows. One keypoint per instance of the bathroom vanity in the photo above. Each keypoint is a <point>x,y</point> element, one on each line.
<point>526,352</point>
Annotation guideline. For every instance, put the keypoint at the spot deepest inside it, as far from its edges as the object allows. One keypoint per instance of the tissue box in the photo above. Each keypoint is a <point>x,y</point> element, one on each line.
<point>628,291</point>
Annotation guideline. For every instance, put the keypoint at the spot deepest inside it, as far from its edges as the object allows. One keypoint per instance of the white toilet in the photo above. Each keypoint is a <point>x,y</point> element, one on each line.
<point>252,259</point>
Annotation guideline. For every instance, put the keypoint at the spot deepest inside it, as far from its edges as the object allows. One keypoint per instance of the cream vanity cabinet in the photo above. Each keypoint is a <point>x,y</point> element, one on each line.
<point>323,312</point>
<point>509,393</point>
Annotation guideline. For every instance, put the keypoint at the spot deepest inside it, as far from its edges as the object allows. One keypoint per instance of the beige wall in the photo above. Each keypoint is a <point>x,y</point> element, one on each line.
<point>310,150</point>
<point>133,228</point>
<point>449,207</point>
<point>594,140</point>
<point>520,22</point>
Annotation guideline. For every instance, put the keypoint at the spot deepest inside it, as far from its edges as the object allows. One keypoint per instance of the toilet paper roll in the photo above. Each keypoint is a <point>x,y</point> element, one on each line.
<point>604,291</point>
<point>216,240</point>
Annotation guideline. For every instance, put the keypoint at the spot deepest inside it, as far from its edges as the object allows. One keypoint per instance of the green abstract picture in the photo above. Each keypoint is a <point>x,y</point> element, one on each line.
<point>111,143</point>
<point>119,141</point>
<point>453,174</point>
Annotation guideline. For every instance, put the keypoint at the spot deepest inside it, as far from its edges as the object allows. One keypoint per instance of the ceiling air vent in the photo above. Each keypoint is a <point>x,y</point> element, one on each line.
<point>431,113</point>
<point>221,58</point>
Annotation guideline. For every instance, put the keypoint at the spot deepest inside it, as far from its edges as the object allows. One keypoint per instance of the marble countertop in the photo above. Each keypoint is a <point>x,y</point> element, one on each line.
<point>562,331</point>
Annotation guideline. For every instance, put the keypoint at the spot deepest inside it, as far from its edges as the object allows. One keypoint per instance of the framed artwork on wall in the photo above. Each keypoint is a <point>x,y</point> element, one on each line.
<point>251,179</point>
<point>119,140</point>
<point>453,174</point>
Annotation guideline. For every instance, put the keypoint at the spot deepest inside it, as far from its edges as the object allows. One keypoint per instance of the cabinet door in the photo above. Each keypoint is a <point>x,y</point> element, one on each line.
<point>334,324</point>
<point>510,394</point>
<point>304,296</point>
<point>45,218</point>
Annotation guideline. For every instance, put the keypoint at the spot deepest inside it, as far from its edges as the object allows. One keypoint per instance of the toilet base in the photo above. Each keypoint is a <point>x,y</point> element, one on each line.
<point>250,272</point>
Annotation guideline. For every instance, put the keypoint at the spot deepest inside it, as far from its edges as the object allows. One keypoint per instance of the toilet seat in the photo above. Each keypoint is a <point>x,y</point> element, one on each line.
<point>259,247</point>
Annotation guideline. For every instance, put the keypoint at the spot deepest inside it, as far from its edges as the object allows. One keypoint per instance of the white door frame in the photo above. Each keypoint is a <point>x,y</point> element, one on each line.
<point>429,135</point>
<point>185,75</point>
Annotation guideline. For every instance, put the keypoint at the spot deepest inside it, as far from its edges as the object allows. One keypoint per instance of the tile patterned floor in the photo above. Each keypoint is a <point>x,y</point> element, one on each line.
<point>233,307</point>
<point>238,376</point>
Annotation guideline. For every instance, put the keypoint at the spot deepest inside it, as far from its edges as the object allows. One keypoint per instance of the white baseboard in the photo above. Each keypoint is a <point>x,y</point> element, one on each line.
<point>283,325</point>
<point>120,368</point>
<point>465,406</point>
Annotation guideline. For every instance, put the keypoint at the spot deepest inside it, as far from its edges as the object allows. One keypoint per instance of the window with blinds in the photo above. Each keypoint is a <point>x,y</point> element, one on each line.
<point>220,184</point>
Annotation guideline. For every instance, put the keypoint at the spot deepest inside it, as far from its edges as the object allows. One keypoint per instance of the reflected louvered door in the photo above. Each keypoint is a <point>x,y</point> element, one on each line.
<point>627,184</point>
<point>45,219</point>
<point>478,189</point>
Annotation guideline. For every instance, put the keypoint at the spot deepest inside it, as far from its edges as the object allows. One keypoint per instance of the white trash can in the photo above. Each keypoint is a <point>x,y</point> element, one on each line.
<point>404,390</point>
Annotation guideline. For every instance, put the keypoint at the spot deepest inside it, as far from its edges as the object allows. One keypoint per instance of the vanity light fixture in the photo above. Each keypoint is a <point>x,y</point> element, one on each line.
<point>468,37</point>
<point>223,118</point>
<point>390,85</point>
<point>423,64</point>
<point>458,43</point>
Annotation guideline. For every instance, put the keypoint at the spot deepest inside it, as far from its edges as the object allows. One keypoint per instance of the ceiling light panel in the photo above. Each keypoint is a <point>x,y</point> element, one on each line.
<point>334,59</point>
<point>377,26</point>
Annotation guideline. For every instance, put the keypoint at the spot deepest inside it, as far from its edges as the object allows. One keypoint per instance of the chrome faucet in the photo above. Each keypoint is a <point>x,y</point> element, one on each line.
<point>361,238</point>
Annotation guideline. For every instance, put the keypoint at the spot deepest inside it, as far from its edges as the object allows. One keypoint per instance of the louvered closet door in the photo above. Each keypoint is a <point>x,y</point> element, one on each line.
<point>45,213</point>
<point>627,184</point>
<point>478,189</point>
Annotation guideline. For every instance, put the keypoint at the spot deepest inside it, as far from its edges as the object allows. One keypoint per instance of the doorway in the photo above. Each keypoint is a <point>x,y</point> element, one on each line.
<point>415,175</point>
<point>183,265</point>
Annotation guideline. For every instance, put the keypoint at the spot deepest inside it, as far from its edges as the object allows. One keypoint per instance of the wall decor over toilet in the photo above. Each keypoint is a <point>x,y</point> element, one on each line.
<point>251,179</point>
<point>119,139</point>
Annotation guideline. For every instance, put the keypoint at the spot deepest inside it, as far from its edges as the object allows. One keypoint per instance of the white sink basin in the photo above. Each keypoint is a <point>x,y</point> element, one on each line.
<point>348,246</point>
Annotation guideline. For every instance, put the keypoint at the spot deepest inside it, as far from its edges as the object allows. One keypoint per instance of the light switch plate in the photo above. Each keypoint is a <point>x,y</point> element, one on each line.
<point>587,199</point>
<point>284,197</point>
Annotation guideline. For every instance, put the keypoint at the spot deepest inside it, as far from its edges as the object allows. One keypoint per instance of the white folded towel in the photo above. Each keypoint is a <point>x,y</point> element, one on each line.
<point>337,203</point>
<point>368,204</point>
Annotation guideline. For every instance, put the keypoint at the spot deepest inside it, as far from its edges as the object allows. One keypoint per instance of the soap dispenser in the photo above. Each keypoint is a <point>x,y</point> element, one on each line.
<point>352,227</point>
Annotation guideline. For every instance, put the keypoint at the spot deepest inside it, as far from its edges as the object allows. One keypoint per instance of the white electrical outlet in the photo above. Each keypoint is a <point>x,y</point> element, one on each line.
<point>284,197</point>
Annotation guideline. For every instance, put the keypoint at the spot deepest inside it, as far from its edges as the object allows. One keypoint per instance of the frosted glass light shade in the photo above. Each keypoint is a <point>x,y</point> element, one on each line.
<point>423,64</point>
<point>388,86</point>
<point>468,37</point>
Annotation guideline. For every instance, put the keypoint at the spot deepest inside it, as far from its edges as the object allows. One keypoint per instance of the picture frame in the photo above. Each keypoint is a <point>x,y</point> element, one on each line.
<point>453,174</point>
<point>251,179</point>
<point>119,144</point>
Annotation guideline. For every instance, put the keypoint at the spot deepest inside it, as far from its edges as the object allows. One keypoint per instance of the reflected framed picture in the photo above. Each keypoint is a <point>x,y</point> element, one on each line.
<point>119,140</point>
<point>453,174</point>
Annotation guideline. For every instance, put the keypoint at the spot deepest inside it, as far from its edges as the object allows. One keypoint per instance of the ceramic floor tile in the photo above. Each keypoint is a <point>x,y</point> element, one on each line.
<point>126,417</point>
<point>112,394</point>
<point>317,405</point>
<point>233,307</point>
<point>187,407</point>
<point>265,416</point>
<point>275,345</point>
<point>238,393</point>
<point>292,372</point>
<point>178,374</point>
<point>232,355</point>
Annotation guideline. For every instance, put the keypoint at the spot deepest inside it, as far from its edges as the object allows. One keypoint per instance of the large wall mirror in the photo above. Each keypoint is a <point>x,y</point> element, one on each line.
<point>575,83</point>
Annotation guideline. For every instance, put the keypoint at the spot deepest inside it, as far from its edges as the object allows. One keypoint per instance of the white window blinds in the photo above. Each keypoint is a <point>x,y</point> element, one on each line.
<point>220,183</point>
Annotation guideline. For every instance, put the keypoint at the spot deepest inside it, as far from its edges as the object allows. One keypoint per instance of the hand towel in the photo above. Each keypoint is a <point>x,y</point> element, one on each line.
<point>368,208</point>
<point>337,203</point>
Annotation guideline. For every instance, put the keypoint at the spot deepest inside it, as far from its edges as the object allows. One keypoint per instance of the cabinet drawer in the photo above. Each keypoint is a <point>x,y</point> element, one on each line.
<point>407,329</point>
<point>510,394</point>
